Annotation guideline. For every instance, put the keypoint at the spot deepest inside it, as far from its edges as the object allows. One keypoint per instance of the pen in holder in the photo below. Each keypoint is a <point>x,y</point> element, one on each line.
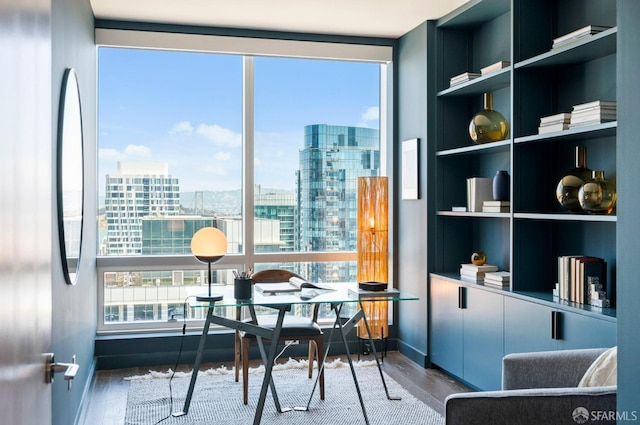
<point>243,288</point>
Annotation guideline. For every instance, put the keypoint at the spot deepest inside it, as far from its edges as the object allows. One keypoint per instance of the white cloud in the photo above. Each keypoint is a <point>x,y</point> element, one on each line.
<point>137,151</point>
<point>109,154</point>
<point>183,127</point>
<point>222,156</point>
<point>219,135</point>
<point>372,113</point>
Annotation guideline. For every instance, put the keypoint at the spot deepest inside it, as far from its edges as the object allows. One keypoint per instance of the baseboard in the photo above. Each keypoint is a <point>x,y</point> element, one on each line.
<point>412,353</point>
<point>84,399</point>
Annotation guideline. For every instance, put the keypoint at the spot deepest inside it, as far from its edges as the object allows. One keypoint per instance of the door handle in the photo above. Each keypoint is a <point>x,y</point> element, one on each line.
<point>70,369</point>
<point>555,325</point>
<point>462,297</point>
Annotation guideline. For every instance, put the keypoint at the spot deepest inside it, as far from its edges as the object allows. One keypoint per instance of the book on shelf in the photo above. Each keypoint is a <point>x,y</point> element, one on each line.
<point>479,189</point>
<point>363,293</point>
<point>577,35</point>
<point>496,206</point>
<point>501,276</point>
<point>459,209</point>
<point>556,118</point>
<point>575,275</point>
<point>497,283</point>
<point>593,121</point>
<point>463,78</point>
<point>477,276</point>
<point>494,67</point>
<point>294,284</point>
<point>553,128</point>
<point>478,268</point>
<point>606,104</point>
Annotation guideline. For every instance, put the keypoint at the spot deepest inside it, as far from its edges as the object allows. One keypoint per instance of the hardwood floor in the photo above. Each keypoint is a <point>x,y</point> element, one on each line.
<point>107,399</point>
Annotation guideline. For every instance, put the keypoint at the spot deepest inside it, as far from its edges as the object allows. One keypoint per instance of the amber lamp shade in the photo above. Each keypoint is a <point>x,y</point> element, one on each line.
<point>373,248</point>
<point>209,245</point>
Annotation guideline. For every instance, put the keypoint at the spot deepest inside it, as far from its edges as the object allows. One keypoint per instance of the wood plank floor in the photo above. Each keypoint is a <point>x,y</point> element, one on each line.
<point>107,399</point>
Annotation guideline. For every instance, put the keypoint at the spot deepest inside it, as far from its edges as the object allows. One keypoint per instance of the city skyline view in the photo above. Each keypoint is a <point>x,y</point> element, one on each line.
<point>185,109</point>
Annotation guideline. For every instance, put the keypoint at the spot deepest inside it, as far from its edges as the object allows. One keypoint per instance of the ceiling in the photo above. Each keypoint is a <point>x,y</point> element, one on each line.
<point>369,18</point>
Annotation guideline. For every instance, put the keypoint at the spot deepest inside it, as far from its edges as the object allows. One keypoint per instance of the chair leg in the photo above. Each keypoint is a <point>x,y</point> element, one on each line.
<point>236,362</point>
<point>245,369</point>
<point>312,354</point>
<point>319,343</point>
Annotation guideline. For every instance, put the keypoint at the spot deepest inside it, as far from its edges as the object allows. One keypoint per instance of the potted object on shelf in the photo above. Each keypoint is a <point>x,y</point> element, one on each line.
<point>501,186</point>
<point>569,185</point>
<point>488,125</point>
<point>597,196</point>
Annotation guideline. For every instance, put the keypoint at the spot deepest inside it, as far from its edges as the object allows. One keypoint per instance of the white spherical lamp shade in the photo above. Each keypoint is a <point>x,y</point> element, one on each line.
<point>209,245</point>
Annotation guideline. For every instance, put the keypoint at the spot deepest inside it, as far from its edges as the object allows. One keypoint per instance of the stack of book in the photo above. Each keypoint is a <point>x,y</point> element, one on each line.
<point>557,122</point>
<point>479,189</point>
<point>494,67</point>
<point>575,275</point>
<point>596,112</point>
<point>496,206</point>
<point>463,78</point>
<point>576,35</point>
<point>500,279</point>
<point>474,272</point>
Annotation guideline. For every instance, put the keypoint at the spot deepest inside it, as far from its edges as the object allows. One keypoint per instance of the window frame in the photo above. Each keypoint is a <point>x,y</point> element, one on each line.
<point>247,47</point>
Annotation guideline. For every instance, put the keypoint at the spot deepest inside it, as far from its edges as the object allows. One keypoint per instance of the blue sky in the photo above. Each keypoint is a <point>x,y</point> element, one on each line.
<point>186,109</point>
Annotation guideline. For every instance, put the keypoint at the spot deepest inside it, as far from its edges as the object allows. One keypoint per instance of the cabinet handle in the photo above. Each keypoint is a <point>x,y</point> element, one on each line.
<point>462,297</point>
<point>555,325</point>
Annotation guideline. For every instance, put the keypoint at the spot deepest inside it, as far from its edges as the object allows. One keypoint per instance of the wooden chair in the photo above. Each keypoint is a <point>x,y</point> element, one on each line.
<point>293,328</point>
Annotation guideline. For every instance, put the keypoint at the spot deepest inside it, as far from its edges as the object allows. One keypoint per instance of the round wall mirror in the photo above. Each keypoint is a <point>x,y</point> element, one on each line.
<point>70,175</point>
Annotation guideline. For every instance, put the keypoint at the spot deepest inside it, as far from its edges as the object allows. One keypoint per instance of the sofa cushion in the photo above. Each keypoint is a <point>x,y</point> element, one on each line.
<point>603,371</point>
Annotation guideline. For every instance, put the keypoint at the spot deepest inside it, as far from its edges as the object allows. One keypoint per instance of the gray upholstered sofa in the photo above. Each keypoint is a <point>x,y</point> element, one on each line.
<point>538,388</point>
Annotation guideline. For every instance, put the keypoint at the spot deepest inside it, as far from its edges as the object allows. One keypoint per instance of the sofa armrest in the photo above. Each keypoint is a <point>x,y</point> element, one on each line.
<point>531,406</point>
<point>547,369</point>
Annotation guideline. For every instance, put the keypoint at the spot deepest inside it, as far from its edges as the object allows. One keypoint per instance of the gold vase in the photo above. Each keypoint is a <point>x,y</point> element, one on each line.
<point>597,196</point>
<point>569,185</point>
<point>488,125</point>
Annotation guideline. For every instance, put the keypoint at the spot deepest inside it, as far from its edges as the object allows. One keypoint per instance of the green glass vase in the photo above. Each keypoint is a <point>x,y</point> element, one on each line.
<point>569,185</point>
<point>488,125</point>
<point>597,196</point>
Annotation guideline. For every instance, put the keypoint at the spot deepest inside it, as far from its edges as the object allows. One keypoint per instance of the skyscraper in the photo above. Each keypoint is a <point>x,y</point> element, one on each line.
<point>332,159</point>
<point>137,190</point>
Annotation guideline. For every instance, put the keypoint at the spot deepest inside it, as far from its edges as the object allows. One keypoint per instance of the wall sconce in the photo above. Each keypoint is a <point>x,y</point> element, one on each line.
<point>373,251</point>
<point>209,245</point>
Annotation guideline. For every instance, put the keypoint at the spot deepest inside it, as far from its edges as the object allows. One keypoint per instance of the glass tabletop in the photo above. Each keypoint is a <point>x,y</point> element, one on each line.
<point>338,293</point>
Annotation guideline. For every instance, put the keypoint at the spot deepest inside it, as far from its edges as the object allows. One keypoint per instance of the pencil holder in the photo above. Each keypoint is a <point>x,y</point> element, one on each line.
<point>243,288</point>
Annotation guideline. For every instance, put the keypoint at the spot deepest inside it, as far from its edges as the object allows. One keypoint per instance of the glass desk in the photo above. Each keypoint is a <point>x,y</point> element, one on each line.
<point>283,302</point>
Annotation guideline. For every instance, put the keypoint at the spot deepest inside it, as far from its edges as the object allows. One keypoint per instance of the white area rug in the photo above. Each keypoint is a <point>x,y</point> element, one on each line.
<point>217,398</point>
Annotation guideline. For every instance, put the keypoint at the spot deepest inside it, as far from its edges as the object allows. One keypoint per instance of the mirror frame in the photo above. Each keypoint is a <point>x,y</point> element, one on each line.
<point>70,134</point>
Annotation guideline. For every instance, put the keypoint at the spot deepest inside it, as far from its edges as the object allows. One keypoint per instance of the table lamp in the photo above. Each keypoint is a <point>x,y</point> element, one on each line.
<point>209,245</point>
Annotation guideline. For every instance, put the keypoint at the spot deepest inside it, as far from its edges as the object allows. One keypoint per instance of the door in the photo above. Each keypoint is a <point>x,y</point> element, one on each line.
<point>26,216</point>
<point>446,325</point>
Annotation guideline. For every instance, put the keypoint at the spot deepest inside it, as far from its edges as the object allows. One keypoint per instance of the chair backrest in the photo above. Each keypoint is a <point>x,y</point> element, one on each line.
<point>273,276</point>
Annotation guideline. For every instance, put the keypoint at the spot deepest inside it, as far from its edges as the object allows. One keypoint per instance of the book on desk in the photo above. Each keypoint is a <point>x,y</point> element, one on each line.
<point>364,293</point>
<point>294,284</point>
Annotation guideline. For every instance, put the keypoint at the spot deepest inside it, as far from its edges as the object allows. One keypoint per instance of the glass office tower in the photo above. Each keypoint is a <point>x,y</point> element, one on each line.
<point>332,159</point>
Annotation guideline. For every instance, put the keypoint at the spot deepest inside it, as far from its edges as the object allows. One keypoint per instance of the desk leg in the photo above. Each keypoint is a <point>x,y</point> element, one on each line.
<point>196,366</point>
<point>268,365</point>
<point>375,355</point>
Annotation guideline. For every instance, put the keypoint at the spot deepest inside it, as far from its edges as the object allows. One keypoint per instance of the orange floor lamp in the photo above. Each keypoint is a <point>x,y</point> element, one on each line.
<point>373,250</point>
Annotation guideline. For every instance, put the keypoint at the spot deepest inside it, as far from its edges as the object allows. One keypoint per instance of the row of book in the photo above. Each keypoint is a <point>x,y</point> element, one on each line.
<point>468,76</point>
<point>486,273</point>
<point>582,279</point>
<point>578,34</point>
<point>589,113</point>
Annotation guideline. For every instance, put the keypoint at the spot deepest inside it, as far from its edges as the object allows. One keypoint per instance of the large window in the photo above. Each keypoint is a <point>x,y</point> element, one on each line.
<point>266,148</point>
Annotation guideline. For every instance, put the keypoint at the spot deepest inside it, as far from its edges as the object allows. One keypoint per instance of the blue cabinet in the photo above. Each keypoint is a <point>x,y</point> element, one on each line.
<point>467,332</point>
<point>582,331</point>
<point>527,327</point>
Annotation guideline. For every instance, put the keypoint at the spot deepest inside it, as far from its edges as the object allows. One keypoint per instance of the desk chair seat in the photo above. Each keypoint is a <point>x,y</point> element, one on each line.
<point>293,328</point>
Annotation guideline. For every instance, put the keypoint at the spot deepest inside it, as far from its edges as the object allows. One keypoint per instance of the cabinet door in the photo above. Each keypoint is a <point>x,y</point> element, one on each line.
<point>527,327</point>
<point>580,331</point>
<point>483,339</point>
<point>446,326</point>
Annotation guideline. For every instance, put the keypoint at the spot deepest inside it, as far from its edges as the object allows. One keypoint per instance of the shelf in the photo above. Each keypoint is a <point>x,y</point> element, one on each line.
<point>591,131</point>
<point>473,214</point>
<point>474,13</point>
<point>566,217</point>
<point>487,83</point>
<point>591,47</point>
<point>483,149</point>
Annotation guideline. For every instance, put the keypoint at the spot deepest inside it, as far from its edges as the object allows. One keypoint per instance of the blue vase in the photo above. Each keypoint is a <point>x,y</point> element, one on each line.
<point>501,186</point>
